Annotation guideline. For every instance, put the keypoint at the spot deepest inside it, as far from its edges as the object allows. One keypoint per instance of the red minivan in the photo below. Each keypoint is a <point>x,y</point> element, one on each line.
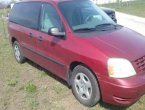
<point>78,42</point>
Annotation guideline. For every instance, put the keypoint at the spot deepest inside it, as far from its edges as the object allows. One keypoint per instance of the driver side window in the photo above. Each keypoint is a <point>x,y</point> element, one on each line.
<point>49,19</point>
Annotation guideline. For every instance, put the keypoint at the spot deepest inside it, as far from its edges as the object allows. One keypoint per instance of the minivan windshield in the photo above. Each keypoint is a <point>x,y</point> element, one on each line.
<point>85,15</point>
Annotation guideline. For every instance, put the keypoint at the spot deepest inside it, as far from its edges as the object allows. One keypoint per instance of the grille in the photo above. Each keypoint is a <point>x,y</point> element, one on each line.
<point>140,64</point>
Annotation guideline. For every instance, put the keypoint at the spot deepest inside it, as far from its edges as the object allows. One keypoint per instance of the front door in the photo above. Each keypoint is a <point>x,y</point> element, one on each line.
<point>50,48</point>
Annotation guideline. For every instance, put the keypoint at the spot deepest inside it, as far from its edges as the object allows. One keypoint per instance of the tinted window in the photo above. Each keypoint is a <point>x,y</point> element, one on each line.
<point>49,19</point>
<point>26,14</point>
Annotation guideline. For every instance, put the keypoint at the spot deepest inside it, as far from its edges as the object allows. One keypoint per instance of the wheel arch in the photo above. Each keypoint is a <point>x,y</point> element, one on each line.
<point>13,39</point>
<point>73,65</point>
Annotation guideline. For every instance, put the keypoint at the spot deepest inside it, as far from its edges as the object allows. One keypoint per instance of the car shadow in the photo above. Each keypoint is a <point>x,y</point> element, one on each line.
<point>111,107</point>
<point>102,104</point>
<point>50,74</point>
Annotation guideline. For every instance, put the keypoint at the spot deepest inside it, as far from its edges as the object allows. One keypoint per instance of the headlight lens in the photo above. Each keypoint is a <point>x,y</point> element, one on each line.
<point>120,68</point>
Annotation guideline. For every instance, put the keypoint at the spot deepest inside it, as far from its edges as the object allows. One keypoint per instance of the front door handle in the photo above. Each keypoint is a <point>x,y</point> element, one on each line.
<point>40,38</point>
<point>30,35</point>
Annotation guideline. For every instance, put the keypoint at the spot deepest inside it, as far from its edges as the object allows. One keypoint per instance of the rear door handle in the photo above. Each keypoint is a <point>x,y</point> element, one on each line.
<point>40,38</point>
<point>30,35</point>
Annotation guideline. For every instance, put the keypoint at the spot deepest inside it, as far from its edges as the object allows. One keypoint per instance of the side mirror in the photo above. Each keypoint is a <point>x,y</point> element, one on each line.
<point>56,32</point>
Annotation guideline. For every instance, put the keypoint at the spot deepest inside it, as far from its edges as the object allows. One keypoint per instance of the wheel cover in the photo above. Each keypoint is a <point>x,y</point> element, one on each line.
<point>83,86</point>
<point>17,52</point>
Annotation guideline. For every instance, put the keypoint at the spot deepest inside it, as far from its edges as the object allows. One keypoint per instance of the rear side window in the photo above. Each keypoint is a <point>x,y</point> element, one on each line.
<point>26,14</point>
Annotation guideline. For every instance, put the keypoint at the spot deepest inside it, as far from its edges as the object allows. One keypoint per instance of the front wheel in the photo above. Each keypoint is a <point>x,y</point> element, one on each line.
<point>85,86</point>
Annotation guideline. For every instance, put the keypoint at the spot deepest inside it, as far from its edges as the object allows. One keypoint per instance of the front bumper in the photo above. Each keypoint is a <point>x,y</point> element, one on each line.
<point>122,92</point>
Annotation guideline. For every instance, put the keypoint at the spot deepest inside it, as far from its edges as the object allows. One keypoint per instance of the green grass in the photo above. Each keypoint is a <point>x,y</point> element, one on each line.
<point>58,88</point>
<point>4,12</point>
<point>43,74</point>
<point>12,82</point>
<point>33,103</point>
<point>1,13</point>
<point>30,87</point>
<point>136,7</point>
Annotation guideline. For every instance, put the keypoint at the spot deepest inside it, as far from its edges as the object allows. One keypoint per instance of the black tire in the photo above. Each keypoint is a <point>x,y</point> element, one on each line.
<point>21,58</point>
<point>94,94</point>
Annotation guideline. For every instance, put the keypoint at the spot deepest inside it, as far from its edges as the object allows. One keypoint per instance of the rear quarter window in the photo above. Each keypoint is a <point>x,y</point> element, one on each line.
<point>26,14</point>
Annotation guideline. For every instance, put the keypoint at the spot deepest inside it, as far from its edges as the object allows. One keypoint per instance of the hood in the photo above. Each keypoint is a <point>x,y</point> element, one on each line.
<point>122,43</point>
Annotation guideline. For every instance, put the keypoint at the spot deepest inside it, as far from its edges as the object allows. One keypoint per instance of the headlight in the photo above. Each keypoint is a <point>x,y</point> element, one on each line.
<point>120,68</point>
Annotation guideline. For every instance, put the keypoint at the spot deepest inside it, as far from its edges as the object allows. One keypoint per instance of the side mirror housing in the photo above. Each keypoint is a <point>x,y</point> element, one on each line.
<point>55,32</point>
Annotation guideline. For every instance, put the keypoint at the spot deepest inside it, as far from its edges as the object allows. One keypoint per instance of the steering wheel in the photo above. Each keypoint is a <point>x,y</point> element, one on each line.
<point>89,18</point>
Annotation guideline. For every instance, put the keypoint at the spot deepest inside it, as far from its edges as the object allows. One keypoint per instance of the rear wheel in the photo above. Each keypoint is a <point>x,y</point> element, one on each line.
<point>85,86</point>
<point>18,53</point>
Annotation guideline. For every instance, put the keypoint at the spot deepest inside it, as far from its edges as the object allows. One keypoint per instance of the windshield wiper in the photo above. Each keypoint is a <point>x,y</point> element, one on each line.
<point>85,29</point>
<point>106,24</point>
<point>100,27</point>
